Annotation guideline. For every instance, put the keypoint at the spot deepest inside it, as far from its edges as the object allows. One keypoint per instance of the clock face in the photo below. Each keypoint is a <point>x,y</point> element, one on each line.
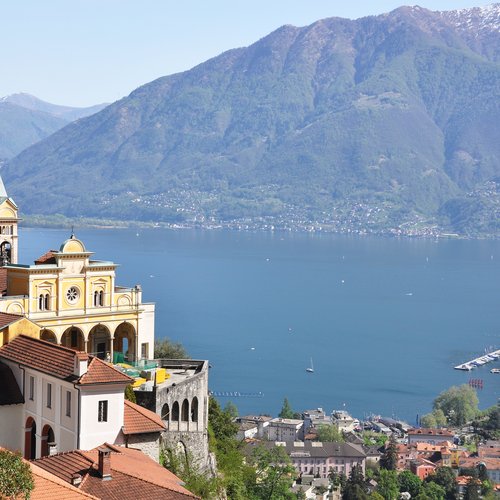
<point>72,295</point>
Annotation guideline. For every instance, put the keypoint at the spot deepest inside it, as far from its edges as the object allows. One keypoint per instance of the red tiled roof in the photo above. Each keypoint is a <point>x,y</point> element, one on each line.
<point>46,258</point>
<point>3,281</point>
<point>6,319</point>
<point>100,372</point>
<point>133,475</point>
<point>59,361</point>
<point>430,432</point>
<point>50,487</point>
<point>46,357</point>
<point>139,420</point>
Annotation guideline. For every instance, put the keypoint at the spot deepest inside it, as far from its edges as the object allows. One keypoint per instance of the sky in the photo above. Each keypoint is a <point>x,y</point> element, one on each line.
<point>84,52</point>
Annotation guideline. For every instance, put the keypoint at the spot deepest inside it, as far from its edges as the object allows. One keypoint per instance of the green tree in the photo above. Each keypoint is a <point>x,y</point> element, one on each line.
<point>166,349</point>
<point>286,410</point>
<point>274,473</point>
<point>355,487</point>
<point>338,480</point>
<point>231,409</point>
<point>472,489</point>
<point>409,482</point>
<point>389,459</point>
<point>436,418</point>
<point>431,491</point>
<point>16,479</point>
<point>329,434</point>
<point>130,394</point>
<point>376,496</point>
<point>445,477</point>
<point>459,404</point>
<point>388,485</point>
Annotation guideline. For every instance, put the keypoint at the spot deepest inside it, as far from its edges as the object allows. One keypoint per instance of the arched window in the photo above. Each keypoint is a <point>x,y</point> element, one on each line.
<point>47,302</point>
<point>194,410</point>
<point>41,302</point>
<point>185,411</point>
<point>101,298</point>
<point>165,412</point>
<point>98,298</point>
<point>175,412</point>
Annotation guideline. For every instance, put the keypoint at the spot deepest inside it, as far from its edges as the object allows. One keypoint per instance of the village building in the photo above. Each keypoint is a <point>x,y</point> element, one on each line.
<point>431,436</point>
<point>252,426</point>
<point>284,429</point>
<point>57,399</point>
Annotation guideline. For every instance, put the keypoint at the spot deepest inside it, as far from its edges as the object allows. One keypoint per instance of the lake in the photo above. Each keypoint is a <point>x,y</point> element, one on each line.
<point>383,320</point>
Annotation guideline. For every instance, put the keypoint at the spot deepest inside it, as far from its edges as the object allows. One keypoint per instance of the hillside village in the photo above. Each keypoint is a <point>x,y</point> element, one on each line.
<point>73,343</point>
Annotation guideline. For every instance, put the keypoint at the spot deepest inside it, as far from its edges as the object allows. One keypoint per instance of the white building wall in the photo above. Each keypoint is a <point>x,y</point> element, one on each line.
<point>146,330</point>
<point>92,432</point>
<point>12,427</point>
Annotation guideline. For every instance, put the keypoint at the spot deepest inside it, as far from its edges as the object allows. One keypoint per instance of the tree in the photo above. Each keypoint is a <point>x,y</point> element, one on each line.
<point>472,489</point>
<point>166,349</point>
<point>286,410</point>
<point>231,409</point>
<point>458,403</point>
<point>445,477</point>
<point>274,473</point>
<point>130,394</point>
<point>388,485</point>
<point>436,418</point>
<point>389,459</point>
<point>337,479</point>
<point>376,496</point>
<point>431,491</point>
<point>355,488</point>
<point>16,478</point>
<point>409,482</point>
<point>329,434</point>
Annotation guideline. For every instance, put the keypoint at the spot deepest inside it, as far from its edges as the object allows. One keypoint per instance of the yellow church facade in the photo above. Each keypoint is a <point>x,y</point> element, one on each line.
<point>73,298</point>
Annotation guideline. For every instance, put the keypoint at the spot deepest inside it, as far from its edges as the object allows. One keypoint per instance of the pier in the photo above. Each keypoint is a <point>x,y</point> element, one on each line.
<point>236,394</point>
<point>480,361</point>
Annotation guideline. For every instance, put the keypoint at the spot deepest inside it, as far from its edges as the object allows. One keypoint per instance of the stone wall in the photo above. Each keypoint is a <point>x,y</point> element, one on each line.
<point>149,444</point>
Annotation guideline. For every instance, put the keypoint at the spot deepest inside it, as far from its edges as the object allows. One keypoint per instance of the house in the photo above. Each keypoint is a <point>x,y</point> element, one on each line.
<point>492,466</point>
<point>252,426</point>
<point>114,473</point>
<point>315,418</point>
<point>344,421</point>
<point>422,467</point>
<point>72,297</point>
<point>284,429</point>
<point>316,458</point>
<point>57,399</point>
<point>431,436</point>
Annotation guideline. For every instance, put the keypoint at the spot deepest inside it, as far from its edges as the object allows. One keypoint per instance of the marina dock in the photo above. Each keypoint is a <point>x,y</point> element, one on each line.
<point>480,361</point>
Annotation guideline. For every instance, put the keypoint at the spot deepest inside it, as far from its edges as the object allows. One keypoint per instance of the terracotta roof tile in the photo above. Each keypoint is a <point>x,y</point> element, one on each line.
<point>59,361</point>
<point>10,393</point>
<point>134,475</point>
<point>430,432</point>
<point>139,420</point>
<point>44,356</point>
<point>46,258</point>
<point>50,487</point>
<point>100,372</point>
<point>7,319</point>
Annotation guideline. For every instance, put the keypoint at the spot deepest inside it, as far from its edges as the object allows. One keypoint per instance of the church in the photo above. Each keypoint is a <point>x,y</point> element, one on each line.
<point>69,298</point>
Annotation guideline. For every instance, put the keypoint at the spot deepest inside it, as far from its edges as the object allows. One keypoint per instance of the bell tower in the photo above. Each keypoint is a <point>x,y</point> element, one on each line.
<point>8,228</point>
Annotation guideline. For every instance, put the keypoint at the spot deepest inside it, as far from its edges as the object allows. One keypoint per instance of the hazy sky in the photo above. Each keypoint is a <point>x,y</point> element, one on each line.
<point>83,52</point>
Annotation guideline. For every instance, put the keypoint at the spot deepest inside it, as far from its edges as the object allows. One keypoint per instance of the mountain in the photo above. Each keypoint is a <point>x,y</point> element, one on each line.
<point>25,120</point>
<point>21,128</point>
<point>68,113</point>
<point>387,122</point>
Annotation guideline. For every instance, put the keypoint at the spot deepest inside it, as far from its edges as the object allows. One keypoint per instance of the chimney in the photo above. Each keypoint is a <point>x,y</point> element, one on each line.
<point>104,463</point>
<point>81,363</point>
<point>76,479</point>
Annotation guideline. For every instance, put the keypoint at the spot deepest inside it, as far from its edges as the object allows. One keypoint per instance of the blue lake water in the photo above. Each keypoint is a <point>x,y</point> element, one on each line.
<point>384,320</point>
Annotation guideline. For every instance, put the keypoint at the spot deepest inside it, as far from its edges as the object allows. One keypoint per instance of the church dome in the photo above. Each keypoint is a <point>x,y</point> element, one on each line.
<point>72,245</point>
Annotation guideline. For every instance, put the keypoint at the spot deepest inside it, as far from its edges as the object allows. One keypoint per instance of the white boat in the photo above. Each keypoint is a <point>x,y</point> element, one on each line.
<point>310,369</point>
<point>495,370</point>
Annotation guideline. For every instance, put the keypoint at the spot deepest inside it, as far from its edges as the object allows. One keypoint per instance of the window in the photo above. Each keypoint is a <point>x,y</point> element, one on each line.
<point>102,411</point>
<point>98,298</point>
<point>72,295</point>
<point>144,350</point>
<point>49,395</point>
<point>68,404</point>
<point>44,302</point>
<point>32,389</point>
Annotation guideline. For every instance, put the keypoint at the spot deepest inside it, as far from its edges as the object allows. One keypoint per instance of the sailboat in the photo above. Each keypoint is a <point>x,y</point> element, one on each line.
<point>310,369</point>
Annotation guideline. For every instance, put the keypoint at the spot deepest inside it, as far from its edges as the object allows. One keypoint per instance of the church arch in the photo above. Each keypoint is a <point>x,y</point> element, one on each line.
<point>48,440</point>
<point>73,337</point>
<point>48,335</point>
<point>100,341</point>
<point>124,340</point>
<point>30,439</point>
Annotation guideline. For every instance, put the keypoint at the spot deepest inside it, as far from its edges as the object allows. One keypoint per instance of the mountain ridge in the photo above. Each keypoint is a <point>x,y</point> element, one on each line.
<point>396,112</point>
